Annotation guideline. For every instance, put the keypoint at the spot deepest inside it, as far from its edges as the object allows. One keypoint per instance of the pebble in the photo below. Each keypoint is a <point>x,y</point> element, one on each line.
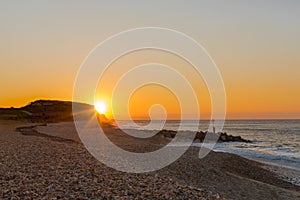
<point>39,168</point>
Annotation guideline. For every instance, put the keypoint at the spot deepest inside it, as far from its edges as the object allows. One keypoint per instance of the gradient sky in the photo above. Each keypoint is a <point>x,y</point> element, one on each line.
<point>255,44</point>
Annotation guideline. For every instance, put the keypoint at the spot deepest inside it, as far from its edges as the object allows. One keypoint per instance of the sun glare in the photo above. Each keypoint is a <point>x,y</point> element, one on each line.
<point>101,107</point>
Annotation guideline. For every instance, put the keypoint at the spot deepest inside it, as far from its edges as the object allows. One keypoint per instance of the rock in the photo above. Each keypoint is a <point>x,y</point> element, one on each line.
<point>167,133</point>
<point>229,138</point>
<point>197,140</point>
<point>223,137</point>
<point>201,135</point>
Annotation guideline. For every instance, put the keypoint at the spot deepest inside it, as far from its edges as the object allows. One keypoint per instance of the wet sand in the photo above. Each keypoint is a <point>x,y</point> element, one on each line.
<point>35,166</point>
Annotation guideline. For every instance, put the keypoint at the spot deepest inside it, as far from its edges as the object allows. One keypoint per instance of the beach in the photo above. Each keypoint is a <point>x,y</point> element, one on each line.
<point>150,100</point>
<point>50,162</point>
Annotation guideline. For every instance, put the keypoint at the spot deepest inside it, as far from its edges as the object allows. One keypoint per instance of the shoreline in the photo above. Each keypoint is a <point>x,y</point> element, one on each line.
<point>290,166</point>
<point>284,172</point>
<point>222,174</point>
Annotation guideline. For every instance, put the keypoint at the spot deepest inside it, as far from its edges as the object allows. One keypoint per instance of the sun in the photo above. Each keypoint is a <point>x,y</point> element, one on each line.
<point>101,107</point>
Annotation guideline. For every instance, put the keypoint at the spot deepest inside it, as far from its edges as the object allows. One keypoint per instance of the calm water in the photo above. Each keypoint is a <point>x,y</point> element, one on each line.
<point>275,141</point>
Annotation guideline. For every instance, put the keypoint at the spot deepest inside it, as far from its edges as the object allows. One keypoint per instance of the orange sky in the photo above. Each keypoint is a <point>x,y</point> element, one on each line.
<point>256,47</point>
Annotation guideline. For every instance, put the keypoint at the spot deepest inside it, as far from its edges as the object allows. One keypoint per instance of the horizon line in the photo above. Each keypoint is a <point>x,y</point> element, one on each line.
<point>140,118</point>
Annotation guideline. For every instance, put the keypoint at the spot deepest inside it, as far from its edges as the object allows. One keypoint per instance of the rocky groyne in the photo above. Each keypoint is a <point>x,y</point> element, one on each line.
<point>200,135</point>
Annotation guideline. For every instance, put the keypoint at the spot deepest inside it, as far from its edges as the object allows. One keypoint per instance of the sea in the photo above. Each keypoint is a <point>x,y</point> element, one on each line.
<point>273,141</point>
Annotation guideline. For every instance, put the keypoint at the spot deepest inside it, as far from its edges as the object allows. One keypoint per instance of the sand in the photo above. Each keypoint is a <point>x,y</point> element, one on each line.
<point>41,165</point>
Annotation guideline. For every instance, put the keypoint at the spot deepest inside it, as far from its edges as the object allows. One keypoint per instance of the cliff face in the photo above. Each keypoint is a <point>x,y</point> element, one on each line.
<point>42,111</point>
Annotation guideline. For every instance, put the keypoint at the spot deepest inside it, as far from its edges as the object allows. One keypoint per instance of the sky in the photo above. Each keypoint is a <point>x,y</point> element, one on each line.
<point>255,45</point>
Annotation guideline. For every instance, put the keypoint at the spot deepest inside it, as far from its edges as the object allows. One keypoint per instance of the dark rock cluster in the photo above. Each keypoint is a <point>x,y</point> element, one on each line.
<point>200,135</point>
